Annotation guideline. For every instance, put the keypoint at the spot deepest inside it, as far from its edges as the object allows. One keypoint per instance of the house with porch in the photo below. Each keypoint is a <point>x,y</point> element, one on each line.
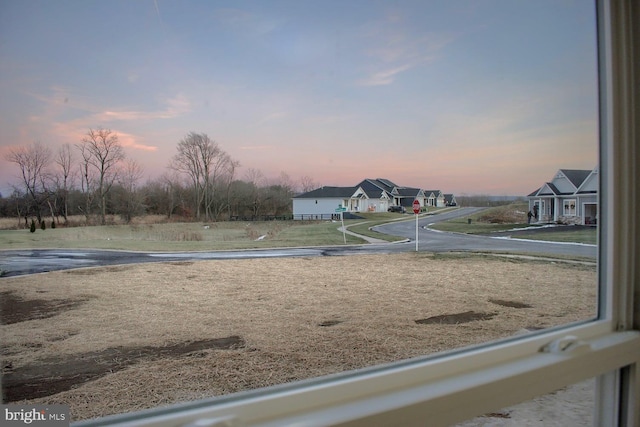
<point>370,195</point>
<point>571,197</point>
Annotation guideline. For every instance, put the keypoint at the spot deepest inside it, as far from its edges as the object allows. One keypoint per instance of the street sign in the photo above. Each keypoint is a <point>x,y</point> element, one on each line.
<point>341,209</point>
<point>416,207</point>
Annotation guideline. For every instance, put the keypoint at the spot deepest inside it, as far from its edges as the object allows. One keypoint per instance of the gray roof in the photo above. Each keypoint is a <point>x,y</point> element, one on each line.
<point>327,192</point>
<point>576,176</point>
<point>374,187</point>
<point>408,192</point>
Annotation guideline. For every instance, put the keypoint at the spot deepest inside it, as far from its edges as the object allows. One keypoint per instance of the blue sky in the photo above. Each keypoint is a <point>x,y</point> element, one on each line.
<point>469,97</point>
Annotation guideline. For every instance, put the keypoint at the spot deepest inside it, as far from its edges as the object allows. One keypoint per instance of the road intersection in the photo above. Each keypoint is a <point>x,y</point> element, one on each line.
<point>31,261</point>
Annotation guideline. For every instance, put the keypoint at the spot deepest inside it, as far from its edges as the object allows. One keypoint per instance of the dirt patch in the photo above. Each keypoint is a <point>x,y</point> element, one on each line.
<point>497,415</point>
<point>330,323</point>
<point>455,319</point>
<point>14,309</point>
<point>58,374</point>
<point>512,304</point>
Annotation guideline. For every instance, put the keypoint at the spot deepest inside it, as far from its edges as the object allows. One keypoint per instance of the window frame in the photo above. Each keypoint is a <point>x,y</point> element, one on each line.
<point>463,383</point>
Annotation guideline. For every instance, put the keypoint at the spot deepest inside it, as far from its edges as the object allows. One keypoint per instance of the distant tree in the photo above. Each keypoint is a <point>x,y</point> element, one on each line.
<point>278,196</point>
<point>32,160</point>
<point>88,182</point>
<point>224,174</point>
<point>164,195</point>
<point>256,196</point>
<point>64,179</point>
<point>130,202</point>
<point>206,165</point>
<point>307,184</point>
<point>102,153</point>
<point>32,228</point>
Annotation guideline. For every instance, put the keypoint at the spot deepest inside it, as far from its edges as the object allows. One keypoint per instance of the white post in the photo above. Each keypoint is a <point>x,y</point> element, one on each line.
<point>344,234</point>
<point>416,232</point>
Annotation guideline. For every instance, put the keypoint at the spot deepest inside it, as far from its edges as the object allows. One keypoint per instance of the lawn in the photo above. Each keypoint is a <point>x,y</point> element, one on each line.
<point>190,236</point>
<point>513,217</point>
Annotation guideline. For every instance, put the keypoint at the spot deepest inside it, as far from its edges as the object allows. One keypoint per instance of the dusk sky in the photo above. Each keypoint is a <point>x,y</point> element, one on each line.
<point>469,97</point>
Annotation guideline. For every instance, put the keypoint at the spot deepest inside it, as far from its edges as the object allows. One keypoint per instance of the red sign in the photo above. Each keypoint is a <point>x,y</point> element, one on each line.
<point>416,207</point>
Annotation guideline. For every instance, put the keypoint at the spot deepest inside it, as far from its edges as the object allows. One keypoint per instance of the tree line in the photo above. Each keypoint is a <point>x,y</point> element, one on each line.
<point>95,179</point>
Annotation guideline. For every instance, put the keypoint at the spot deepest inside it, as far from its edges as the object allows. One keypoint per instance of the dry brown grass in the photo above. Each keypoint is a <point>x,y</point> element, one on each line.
<point>368,306</point>
<point>81,221</point>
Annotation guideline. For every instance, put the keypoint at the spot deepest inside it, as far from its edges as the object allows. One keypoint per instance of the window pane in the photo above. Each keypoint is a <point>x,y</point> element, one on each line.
<point>494,136</point>
<point>570,406</point>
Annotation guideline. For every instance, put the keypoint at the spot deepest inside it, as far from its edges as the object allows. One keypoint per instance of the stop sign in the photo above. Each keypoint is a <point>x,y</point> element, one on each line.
<point>416,207</point>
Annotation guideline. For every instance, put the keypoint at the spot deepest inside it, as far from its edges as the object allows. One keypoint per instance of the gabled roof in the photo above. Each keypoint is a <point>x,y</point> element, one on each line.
<point>576,176</point>
<point>386,182</point>
<point>449,198</point>
<point>436,193</point>
<point>374,188</point>
<point>328,192</point>
<point>547,189</point>
<point>407,191</point>
<point>592,178</point>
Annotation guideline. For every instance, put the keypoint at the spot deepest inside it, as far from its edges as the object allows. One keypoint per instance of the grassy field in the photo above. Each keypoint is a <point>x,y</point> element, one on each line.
<point>589,236</point>
<point>509,217</point>
<point>190,236</point>
<point>155,234</point>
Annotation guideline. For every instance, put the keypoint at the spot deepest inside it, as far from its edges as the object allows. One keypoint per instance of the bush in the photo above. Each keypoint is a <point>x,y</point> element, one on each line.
<point>43,226</point>
<point>53,224</point>
<point>33,226</point>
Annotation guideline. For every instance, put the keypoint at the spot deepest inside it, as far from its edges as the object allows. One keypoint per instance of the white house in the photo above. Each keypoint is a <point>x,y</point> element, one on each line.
<point>322,202</point>
<point>370,195</point>
<point>571,197</point>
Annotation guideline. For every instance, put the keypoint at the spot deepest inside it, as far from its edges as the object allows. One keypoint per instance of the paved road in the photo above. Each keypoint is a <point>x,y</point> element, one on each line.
<point>437,241</point>
<point>21,262</point>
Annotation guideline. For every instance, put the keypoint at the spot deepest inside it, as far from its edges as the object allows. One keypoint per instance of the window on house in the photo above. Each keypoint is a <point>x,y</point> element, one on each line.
<point>570,207</point>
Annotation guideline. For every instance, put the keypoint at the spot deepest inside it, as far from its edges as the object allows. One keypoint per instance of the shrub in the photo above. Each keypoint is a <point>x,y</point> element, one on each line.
<point>53,224</point>
<point>33,226</point>
<point>43,226</point>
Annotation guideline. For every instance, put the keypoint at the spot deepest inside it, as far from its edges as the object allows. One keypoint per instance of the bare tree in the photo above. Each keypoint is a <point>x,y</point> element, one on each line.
<point>256,179</point>
<point>64,160</point>
<point>307,184</point>
<point>32,160</point>
<point>88,182</point>
<point>131,200</point>
<point>204,162</point>
<point>101,151</point>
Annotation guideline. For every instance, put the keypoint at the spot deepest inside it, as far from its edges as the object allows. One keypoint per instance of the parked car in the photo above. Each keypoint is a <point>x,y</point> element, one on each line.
<point>397,209</point>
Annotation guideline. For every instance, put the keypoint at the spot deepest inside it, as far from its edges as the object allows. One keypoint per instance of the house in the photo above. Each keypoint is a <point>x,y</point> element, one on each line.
<point>571,197</point>
<point>450,200</point>
<point>369,195</point>
<point>323,202</point>
<point>435,198</point>
<point>399,196</point>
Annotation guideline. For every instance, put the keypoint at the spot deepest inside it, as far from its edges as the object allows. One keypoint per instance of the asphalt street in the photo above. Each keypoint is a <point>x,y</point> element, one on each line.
<point>25,261</point>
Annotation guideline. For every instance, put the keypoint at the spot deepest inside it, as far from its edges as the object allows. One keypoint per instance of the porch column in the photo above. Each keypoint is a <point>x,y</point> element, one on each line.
<point>539,210</point>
